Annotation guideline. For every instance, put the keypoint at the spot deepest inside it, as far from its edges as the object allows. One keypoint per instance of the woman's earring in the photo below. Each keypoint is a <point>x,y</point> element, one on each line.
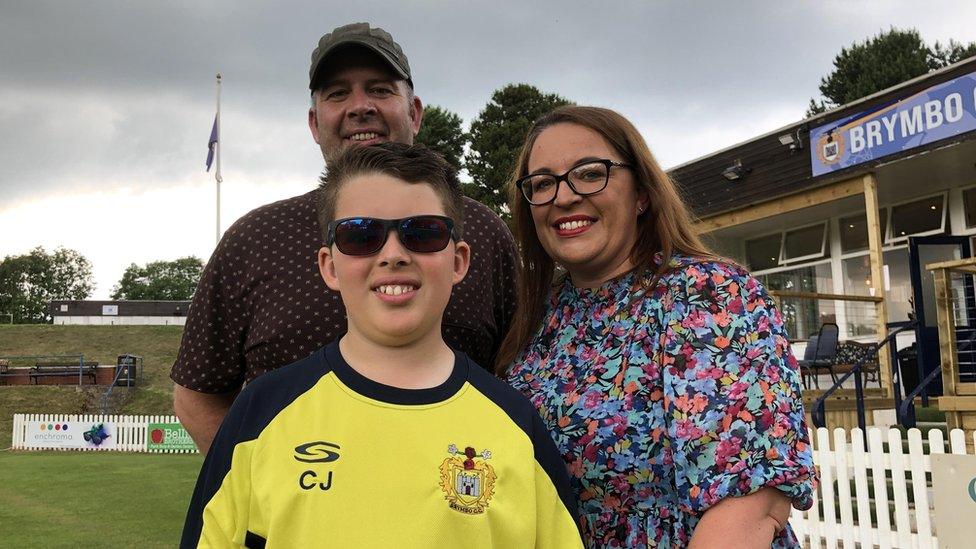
<point>640,210</point>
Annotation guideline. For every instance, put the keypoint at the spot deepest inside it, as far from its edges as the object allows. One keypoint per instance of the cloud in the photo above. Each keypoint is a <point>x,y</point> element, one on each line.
<point>106,106</point>
<point>123,224</point>
<point>114,91</point>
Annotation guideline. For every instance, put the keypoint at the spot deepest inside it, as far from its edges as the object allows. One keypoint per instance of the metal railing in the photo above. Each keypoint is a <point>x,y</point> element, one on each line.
<point>127,369</point>
<point>819,413</point>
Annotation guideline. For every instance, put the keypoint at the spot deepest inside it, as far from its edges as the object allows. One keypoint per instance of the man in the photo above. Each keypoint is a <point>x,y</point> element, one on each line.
<point>261,303</point>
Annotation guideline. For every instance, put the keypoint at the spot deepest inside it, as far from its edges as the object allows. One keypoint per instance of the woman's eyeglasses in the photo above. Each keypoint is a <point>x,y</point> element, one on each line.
<point>367,235</point>
<point>584,179</point>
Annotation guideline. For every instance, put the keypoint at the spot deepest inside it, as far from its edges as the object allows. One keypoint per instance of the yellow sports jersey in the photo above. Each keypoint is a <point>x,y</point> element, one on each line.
<point>316,455</point>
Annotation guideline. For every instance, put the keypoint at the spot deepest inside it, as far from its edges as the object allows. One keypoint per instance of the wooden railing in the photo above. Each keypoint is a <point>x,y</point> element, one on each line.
<point>957,339</point>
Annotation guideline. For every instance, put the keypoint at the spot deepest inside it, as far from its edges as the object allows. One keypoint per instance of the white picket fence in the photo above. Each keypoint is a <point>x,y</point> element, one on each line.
<point>843,460</point>
<point>131,434</point>
<point>853,478</point>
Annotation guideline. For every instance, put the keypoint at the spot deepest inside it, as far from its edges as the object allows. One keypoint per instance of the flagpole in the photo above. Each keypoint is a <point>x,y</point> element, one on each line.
<point>217,176</point>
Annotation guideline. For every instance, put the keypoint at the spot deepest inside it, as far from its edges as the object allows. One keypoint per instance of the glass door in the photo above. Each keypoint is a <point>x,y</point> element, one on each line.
<point>921,252</point>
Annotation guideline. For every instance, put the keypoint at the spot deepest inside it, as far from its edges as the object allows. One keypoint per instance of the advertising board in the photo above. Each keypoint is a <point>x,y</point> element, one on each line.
<point>954,487</point>
<point>168,437</point>
<point>72,435</point>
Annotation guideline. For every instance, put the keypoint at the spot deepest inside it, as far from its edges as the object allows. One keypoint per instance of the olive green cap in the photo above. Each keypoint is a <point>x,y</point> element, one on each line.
<point>375,39</point>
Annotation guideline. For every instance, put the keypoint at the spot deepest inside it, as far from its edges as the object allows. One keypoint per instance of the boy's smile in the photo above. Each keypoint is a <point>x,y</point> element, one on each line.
<point>396,290</point>
<point>396,296</point>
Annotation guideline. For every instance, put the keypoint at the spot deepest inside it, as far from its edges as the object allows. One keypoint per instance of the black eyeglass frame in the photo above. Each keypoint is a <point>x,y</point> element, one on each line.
<point>388,225</point>
<point>610,164</point>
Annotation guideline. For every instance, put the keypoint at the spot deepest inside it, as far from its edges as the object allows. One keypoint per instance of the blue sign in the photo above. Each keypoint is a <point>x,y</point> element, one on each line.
<point>937,113</point>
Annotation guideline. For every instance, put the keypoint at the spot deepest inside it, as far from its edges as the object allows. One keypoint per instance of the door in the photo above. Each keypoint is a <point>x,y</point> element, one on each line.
<point>921,252</point>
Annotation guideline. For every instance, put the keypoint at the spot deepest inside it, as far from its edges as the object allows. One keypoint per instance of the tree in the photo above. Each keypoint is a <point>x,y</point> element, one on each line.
<point>71,275</point>
<point>954,52</point>
<point>29,282</point>
<point>160,280</point>
<point>441,131</point>
<point>881,62</point>
<point>496,137</point>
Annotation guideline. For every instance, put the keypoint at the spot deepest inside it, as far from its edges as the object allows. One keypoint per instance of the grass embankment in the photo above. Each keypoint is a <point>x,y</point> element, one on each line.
<point>94,499</point>
<point>157,345</point>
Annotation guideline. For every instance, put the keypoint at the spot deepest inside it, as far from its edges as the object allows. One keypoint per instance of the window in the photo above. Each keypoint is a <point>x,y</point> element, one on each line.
<point>792,246</point>
<point>763,253</point>
<point>729,247</point>
<point>969,205</point>
<point>805,243</point>
<point>813,278</point>
<point>854,231</point>
<point>857,276</point>
<point>924,216</point>
<point>857,281</point>
<point>802,317</point>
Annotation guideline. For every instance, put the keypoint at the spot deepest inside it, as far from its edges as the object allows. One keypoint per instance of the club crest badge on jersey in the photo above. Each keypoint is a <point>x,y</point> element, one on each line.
<point>468,481</point>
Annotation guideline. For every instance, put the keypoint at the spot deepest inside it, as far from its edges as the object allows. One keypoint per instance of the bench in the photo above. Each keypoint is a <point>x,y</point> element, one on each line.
<point>62,369</point>
<point>848,354</point>
<point>5,370</point>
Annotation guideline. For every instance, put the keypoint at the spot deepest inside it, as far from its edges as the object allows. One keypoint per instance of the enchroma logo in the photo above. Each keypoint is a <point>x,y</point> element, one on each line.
<point>317,452</point>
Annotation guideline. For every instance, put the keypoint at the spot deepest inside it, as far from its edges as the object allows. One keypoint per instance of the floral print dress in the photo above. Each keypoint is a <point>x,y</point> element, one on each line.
<point>665,400</point>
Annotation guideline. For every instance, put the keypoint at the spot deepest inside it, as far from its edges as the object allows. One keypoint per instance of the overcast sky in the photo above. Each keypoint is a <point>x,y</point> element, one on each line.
<point>106,107</point>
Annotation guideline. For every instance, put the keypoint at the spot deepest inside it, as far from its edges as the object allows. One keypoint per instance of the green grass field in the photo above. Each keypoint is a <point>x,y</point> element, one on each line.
<point>94,499</point>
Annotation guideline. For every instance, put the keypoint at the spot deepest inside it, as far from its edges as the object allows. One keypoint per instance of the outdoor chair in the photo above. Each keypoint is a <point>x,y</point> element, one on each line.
<point>819,354</point>
<point>850,353</point>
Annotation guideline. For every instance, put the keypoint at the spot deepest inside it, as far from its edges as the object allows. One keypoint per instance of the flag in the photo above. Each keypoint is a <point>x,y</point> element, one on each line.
<point>214,139</point>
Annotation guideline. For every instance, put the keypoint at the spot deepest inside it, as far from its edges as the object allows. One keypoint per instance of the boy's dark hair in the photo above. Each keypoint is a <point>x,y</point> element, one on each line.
<point>411,163</point>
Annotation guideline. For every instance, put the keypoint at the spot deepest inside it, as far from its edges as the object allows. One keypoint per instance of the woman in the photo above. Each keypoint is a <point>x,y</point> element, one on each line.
<point>663,373</point>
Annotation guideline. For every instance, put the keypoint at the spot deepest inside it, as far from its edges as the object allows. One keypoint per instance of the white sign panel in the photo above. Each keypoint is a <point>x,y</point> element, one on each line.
<point>110,310</point>
<point>71,434</point>
<point>954,484</point>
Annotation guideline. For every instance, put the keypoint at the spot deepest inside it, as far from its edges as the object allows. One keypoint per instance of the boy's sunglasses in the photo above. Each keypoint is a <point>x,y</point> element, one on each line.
<point>367,235</point>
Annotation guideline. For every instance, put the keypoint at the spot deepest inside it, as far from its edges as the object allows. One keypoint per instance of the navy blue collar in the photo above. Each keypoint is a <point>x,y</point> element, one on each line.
<point>395,395</point>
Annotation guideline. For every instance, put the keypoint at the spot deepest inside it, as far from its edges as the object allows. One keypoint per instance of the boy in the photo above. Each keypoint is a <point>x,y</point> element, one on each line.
<point>387,437</point>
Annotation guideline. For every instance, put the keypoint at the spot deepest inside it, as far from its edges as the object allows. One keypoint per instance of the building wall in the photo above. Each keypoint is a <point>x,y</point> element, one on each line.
<point>123,308</point>
<point>130,313</point>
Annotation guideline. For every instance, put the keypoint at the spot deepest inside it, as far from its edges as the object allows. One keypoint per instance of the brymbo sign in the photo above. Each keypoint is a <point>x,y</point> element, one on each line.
<point>939,112</point>
<point>167,437</point>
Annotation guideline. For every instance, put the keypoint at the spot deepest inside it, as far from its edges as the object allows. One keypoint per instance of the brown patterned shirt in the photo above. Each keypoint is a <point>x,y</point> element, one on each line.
<point>261,303</point>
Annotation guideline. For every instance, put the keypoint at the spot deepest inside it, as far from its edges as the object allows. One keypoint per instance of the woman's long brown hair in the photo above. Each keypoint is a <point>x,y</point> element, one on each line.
<point>665,227</point>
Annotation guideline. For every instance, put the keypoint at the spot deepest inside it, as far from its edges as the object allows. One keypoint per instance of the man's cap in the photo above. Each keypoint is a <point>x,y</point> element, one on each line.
<point>375,39</point>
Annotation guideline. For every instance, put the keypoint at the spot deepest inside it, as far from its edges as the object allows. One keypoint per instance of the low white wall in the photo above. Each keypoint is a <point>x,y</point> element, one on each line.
<point>121,320</point>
